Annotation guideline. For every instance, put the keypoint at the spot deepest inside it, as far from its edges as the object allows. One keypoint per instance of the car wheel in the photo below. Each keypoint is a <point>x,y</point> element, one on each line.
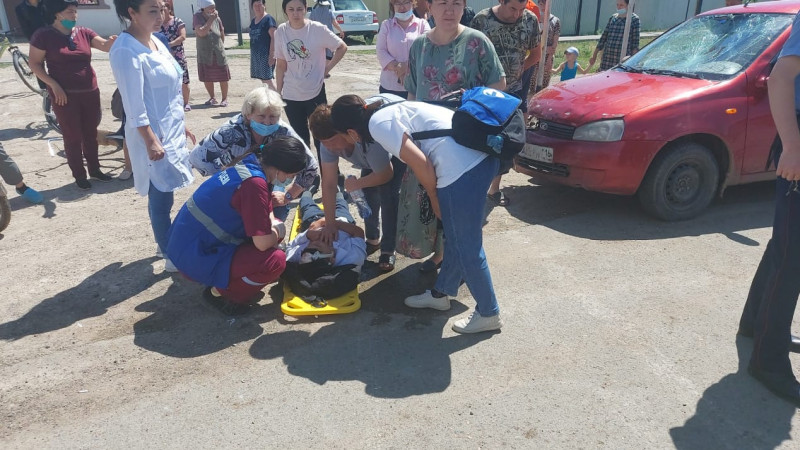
<point>680,183</point>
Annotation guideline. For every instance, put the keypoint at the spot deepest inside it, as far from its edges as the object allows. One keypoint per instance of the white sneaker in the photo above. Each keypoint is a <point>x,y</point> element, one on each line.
<point>476,323</point>
<point>125,175</point>
<point>168,266</point>
<point>427,300</point>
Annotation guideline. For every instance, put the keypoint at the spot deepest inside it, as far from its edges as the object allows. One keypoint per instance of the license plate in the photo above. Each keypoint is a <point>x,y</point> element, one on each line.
<point>358,20</point>
<point>537,153</point>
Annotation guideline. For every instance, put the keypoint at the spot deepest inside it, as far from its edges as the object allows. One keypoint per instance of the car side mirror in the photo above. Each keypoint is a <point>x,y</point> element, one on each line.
<point>762,81</point>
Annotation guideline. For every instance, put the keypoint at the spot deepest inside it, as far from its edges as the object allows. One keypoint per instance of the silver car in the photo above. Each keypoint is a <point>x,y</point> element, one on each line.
<point>355,18</point>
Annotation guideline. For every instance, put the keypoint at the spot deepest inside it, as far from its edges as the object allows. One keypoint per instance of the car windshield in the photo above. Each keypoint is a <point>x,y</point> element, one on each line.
<point>714,47</point>
<point>344,5</point>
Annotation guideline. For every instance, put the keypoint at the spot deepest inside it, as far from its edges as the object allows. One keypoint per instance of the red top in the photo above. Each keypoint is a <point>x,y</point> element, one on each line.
<point>253,202</point>
<point>72,69</point>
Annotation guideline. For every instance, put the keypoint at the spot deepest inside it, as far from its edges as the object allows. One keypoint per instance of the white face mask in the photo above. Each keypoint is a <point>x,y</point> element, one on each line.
<point>622,11</point>
<point>402,16</point>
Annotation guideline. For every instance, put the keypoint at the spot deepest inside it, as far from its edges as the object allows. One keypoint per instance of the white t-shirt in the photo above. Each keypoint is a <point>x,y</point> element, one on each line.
<point>150,85</point>
<point>304,53</point>
<point>450,159</point>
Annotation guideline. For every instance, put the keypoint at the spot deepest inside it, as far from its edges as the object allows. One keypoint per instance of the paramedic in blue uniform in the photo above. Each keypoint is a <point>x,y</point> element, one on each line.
<point>767,315</point>
<point>226,235</point>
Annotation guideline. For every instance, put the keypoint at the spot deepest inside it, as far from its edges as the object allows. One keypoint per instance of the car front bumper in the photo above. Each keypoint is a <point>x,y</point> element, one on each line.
<point>611,167</point>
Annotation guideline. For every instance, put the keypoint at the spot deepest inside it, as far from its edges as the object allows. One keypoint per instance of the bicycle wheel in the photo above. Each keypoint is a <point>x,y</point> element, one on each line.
<point>24,71</point>
<point>49,115</point>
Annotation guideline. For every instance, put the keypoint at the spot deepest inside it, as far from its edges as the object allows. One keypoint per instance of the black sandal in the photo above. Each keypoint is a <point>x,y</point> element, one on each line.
<point>372,248</point>
<point>386,262</point>
<point>499,198</point>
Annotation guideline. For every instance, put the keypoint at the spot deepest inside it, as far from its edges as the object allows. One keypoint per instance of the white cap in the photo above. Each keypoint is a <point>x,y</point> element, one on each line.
<point>205,3</point>
<point>573,50</point>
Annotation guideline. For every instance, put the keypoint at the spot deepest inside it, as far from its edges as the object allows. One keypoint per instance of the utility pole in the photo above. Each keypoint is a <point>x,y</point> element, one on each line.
<point>627,33</point>
<point>545,34</point>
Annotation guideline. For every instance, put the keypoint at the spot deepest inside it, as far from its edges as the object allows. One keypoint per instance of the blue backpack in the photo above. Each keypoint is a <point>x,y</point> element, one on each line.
<point>486,120</point>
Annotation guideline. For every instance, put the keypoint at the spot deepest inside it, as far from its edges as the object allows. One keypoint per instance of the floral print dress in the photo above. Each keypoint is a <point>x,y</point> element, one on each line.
<point>468,61</point>
<point>172,30</point>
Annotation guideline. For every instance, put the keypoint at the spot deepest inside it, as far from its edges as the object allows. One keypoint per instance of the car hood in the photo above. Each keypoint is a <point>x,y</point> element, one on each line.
<point>607,95</point>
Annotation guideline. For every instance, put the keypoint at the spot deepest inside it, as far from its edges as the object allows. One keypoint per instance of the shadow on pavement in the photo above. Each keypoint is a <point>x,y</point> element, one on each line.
<point>105,288</point>
<point>183,326</point>
<point>597,216</point>
<point>393,360</point>
<point>736,412</point>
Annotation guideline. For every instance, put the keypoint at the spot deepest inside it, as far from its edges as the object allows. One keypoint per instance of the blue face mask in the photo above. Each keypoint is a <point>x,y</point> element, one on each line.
<point>263,130</point>
<point>281,186</point>
<point>69,24</point>
<point>622,11</point>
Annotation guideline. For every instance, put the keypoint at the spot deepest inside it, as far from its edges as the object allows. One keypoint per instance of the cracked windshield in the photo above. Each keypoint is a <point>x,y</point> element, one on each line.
<point>715,47</point>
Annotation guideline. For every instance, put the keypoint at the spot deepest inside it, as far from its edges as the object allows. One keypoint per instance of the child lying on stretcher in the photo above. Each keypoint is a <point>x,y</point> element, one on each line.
<point>318,269</point>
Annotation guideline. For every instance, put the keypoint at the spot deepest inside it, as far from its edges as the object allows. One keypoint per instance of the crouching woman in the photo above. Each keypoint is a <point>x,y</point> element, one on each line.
<point>226,235</point>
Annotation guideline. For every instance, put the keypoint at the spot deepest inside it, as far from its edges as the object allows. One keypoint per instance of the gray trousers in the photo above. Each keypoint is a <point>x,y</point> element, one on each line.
<point>8,168</point>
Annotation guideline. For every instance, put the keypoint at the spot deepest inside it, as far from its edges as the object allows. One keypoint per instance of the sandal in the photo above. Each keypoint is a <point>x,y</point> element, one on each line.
<point>499,198</point>
<point>372,248</point>
<point>386,262</point>
<point>223,103</point>
<point>211,102</point>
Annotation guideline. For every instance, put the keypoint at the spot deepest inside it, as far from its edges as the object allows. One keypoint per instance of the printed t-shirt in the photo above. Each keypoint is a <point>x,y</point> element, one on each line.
<point>304,53</point>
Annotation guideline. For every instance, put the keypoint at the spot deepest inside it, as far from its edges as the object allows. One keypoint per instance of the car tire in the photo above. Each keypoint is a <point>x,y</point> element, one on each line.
<point>680,183</point>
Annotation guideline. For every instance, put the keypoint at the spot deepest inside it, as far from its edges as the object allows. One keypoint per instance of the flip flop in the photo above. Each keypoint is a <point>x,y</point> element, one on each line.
<point>211,102</point>
<point>499,198</point>
<point>386,262</point>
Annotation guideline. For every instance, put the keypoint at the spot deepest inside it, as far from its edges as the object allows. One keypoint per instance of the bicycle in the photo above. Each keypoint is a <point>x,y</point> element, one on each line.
<point>23,69</point>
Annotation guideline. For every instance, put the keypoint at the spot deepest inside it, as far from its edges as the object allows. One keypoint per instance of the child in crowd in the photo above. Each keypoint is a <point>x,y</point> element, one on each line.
<point>570,67</point>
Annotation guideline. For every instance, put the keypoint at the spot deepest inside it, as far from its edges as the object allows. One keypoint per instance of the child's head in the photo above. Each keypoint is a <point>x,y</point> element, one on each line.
<point>571,54</point>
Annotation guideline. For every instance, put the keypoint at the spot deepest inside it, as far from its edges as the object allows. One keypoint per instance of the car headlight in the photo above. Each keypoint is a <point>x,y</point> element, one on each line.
<point>600,131</point>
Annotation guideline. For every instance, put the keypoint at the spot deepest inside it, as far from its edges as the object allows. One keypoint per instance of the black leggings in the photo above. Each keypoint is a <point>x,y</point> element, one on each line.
<point>298,113</point>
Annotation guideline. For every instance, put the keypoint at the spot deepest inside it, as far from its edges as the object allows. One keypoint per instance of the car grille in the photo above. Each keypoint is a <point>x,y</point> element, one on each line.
<point>559,170</point>
<point>553,129</point>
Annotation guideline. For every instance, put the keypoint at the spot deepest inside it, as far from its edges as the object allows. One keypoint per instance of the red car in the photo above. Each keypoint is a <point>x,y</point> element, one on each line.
<point>676,123</point>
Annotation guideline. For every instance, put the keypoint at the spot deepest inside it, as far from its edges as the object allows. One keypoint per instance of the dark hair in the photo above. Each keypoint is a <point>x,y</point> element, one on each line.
<point>121,6</point>
<point>285,153</point>
<point>257,1</point>
<point>53,7</point>
<point>350,112</point>
<point>320,123</point>
<point>286,2</point>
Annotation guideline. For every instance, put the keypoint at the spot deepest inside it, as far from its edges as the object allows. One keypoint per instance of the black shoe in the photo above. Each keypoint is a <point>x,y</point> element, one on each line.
<point>224,306</point>
<point>100,176</point>
<point>83,184</point>
<point>782,385</point>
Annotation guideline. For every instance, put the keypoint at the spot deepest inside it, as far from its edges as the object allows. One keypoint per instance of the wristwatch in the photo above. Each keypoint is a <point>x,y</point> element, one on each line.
<point>288,196</point>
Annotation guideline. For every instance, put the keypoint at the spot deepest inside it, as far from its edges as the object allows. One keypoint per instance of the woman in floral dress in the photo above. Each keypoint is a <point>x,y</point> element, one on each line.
<point>175,30</point>
<point>448,58</point>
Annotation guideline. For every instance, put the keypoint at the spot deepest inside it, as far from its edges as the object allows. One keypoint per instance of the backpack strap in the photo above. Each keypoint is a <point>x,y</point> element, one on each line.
<point>431,134</point>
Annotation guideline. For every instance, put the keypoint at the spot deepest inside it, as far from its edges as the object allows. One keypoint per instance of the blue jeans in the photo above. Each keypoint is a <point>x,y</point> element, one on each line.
<point>776,286</point>
<point>385,197</point>
<point>159,206</point>
<point>462,204</point>
<point>310,211</point>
